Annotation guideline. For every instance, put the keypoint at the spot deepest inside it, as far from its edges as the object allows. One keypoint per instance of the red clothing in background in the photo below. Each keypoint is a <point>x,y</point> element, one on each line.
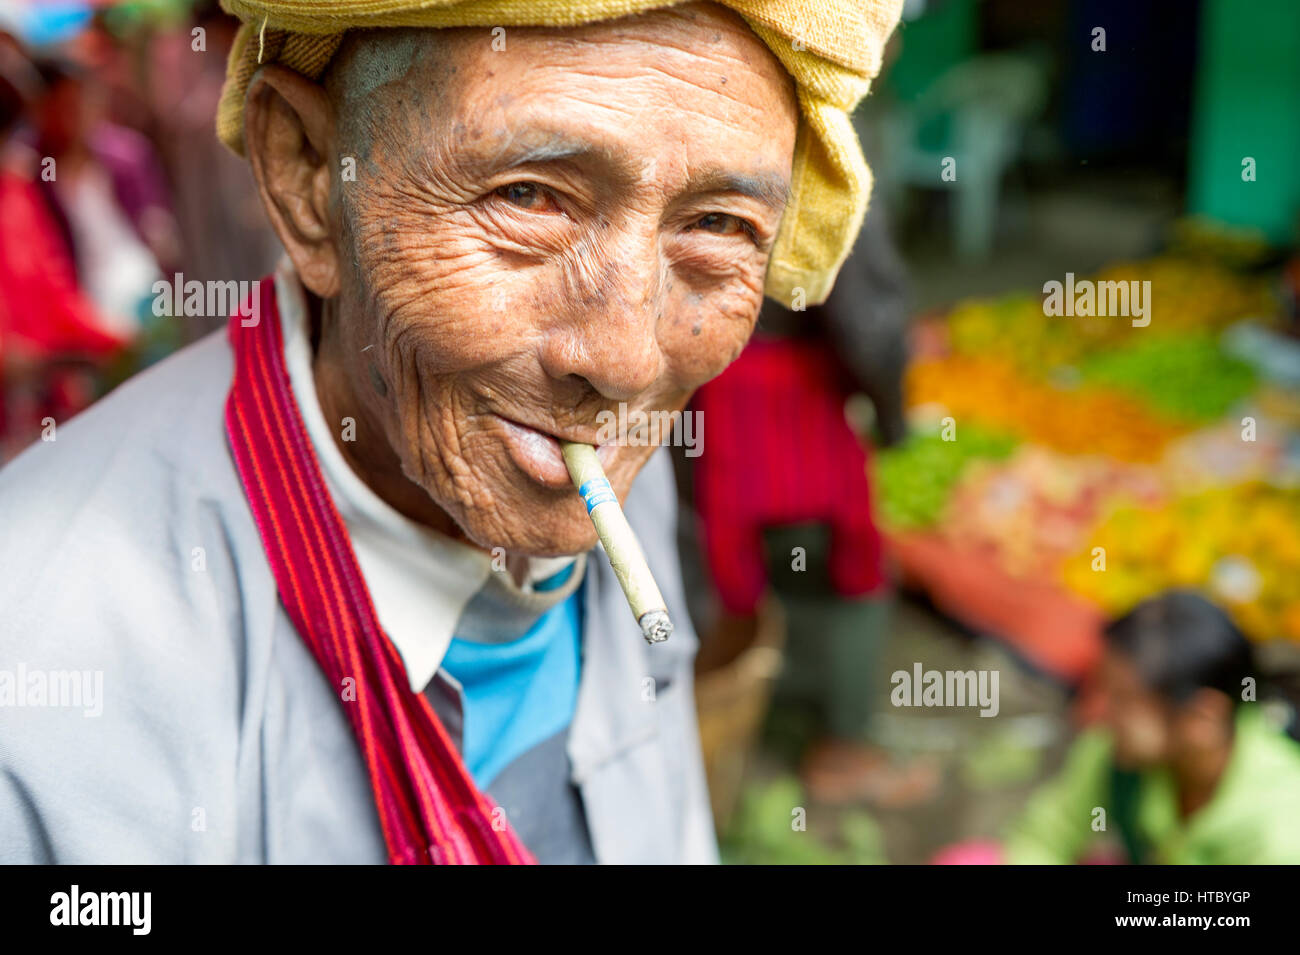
<point>780,451</point>
<point>43,313</point>
<point>39,298</point>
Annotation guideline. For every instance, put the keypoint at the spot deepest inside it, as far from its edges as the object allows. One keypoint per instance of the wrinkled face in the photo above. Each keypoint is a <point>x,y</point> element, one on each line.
<point>538,233</point>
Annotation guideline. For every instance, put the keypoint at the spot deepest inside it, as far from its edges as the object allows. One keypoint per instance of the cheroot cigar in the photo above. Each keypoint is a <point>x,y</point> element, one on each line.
<point>621,546</point>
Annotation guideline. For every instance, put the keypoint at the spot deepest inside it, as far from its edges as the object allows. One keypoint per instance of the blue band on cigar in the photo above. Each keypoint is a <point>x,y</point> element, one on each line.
<point>597,491</point>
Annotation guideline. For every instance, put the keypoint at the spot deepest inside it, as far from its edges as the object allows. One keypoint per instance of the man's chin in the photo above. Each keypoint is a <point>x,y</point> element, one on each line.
<point>561,530</point>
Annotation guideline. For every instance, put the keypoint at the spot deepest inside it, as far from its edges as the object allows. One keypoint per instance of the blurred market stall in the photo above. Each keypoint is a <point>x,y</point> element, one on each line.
<point>1062,468</point>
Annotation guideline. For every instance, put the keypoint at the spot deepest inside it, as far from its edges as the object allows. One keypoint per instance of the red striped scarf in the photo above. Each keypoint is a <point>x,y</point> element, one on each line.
<point>429,808</point>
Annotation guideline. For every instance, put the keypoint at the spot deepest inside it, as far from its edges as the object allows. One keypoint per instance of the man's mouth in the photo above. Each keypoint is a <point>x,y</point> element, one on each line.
<point>537,452</point>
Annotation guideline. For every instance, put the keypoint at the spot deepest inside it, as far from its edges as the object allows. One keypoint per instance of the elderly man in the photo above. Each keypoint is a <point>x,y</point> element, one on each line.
<point>322,582</point>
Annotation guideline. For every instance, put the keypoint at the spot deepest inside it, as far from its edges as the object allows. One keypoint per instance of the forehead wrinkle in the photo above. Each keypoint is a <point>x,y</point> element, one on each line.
<point>709,31</point>
<point>705,85</point>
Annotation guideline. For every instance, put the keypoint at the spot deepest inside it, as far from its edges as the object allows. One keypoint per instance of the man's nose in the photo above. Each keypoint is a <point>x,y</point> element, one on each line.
<point>609,332</point>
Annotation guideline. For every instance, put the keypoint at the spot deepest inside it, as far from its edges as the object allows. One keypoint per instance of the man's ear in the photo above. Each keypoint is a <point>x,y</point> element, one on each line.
<point>288,133</point>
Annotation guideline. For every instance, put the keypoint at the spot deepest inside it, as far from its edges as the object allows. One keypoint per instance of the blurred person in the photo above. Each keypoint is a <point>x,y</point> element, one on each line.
<point>225,233</point>
<point>782,493</point>
<point>1184,768</point>
<point>106,188</point>
<point>112,58</point>
<point>49,330</point>
<point>330,562</point>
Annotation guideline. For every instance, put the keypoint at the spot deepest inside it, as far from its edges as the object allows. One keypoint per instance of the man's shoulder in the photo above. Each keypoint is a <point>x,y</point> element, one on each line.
<point>164,423</point>
<point>140,483</point>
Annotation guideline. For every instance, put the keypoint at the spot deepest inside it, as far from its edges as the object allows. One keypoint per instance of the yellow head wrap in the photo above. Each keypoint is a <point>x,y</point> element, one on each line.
<point>832,48</point>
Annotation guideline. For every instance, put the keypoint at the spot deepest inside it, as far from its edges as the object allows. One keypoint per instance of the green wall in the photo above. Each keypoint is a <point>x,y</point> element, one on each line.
<point>1248,104</point>
<point>943,36</point>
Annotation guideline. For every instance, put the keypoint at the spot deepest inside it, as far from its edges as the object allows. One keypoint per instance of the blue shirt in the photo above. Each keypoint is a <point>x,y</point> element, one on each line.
<point>520,693</point>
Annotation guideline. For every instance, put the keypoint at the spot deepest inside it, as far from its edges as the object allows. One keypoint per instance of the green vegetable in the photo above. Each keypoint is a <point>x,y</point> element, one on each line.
<point>914,478</point>
<point>764,833</point>
<point>1187,376</point>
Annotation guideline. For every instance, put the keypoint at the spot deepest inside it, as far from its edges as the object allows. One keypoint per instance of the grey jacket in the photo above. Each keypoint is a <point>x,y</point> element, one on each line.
<point>157,706</point>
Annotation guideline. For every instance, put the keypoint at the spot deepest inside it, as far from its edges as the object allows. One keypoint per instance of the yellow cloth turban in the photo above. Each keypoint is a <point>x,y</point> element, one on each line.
<point>832,48</point>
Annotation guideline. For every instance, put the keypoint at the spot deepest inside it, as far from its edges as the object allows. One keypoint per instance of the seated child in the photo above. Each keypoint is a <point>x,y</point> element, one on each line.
<point>1186,767</point>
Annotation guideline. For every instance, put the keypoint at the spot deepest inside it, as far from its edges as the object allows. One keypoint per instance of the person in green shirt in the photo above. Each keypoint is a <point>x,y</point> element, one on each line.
<point>1186,767</point>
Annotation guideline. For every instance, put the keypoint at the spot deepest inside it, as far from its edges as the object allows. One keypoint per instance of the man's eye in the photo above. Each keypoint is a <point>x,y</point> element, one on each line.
<point>526,195</point>
<point>721,223</point>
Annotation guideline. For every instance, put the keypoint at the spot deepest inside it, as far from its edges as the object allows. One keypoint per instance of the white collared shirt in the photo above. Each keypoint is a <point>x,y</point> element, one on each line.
<point>419,580</point>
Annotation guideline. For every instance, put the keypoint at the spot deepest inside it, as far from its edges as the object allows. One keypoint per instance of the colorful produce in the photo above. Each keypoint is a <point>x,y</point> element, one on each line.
<point>1189,295</point>
<point>1204,238</point>
<point>1030,513</point>
<point>1131,440</point>
<point>1217,456</point>
<point>1186,296</point>
<point>1186,377</point>
<point>913,479</point>
<point>1015,329</point>
<point>1240,544</point>
<point>990,393</point>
